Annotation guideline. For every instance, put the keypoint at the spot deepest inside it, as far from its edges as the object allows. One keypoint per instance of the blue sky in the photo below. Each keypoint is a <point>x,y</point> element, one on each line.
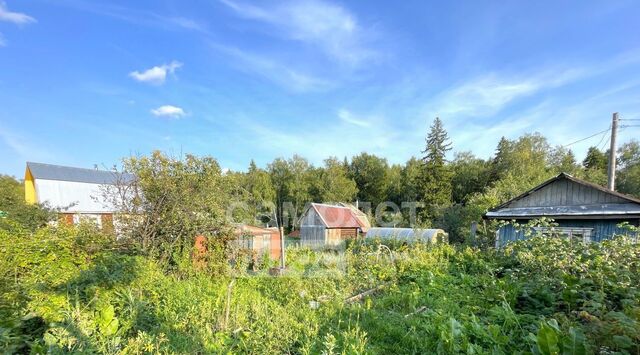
<point>88,82</point>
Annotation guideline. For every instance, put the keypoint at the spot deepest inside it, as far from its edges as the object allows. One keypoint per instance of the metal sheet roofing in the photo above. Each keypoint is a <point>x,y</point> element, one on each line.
<point>67,173</point>
<point>554,211</point>
<point>337,216</point>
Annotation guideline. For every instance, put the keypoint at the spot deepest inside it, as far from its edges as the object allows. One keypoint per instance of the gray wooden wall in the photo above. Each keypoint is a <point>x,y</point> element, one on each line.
<point>566,193</point>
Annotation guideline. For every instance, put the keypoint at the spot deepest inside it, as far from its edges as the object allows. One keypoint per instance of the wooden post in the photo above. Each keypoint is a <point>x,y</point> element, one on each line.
<point>474,230</point>
<point>611,182</point>
<point>282,258</point>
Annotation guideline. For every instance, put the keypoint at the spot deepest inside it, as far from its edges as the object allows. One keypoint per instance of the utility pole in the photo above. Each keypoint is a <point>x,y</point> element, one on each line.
<point>611,182</point>
<point>282,244</point>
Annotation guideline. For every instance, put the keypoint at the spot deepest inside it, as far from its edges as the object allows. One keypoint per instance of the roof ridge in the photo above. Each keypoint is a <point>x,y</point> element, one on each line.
<point>75,167</point>
<point>328,205</point>
<point>564,175</point>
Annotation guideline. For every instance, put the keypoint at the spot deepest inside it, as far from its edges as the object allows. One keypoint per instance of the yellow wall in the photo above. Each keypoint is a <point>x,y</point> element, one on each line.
<point>29,188</point>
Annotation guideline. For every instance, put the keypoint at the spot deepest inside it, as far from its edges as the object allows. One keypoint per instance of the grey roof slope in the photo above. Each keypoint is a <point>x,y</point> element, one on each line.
<point>615,209</point>
<point>67,173</point>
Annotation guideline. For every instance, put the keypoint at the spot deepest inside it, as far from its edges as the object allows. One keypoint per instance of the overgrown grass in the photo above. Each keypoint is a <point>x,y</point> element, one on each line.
<point>72,290</point>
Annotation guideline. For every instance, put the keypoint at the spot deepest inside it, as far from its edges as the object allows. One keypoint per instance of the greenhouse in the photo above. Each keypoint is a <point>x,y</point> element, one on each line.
<point>408,234</point>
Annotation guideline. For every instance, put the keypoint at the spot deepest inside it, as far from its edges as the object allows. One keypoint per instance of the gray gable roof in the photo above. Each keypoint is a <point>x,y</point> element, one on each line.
<point>567,196</point>
<point>67,173</point>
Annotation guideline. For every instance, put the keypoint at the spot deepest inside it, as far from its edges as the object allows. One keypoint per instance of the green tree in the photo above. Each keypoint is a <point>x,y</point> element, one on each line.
<point>628,175</point>
<point>292,180</point>
<point>170,202</point>
<point>595,166</point>
<point>436,187</point>
<point>261,190</point>
<point>411,178</point>
<point>562,160</point>
<point>470,175</point>
<point>14,208</point>
<point>370,174</point>
<point>332,183</point>
<point>595,159</point>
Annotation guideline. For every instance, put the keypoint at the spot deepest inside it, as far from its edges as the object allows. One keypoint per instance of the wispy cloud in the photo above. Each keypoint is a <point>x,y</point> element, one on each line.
<point>337,138</point>
<point>156,75</point>
<point>168,111</point>
<point>19,144</point>
<point>347,116</point>
<point>15,17</point>
<point>487,95</point>
<point>274,71</point>
<point>330,27</point>
<point>137,16</point>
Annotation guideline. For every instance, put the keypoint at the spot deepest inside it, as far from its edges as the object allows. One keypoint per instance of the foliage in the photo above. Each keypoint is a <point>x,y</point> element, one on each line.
<point>14,208</point>
<point>170,202</point>
<point>371,176</point>
<point>628,176</point>
<point>435,182</point>
<point>70,289</point>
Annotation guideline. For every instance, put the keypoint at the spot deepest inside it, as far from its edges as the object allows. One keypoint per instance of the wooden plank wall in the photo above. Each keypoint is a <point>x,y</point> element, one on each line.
<point>602,229</point>
<point>312,236</point>
<point>566,193</point>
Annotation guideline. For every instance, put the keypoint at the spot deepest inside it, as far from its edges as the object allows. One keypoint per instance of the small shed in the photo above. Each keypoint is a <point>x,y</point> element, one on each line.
<point>581,209</point>
<point>408,234</point>
<point>260,240</point>
<point>329,225</point>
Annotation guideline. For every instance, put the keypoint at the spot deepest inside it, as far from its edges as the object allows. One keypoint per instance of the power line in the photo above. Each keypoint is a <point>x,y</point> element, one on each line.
<point>605,144</point>
<point>584,139</point>
<point>602,138</point>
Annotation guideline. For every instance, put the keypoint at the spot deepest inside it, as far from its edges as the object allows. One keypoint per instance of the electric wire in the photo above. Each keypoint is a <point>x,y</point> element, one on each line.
<point>584,139</point>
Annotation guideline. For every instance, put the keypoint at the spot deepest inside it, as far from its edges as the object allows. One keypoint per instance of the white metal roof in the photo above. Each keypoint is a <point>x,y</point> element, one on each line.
<point>67,173</point>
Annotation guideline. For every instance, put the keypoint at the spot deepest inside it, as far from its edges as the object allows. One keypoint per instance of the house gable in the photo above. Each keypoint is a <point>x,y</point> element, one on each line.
<point>565,192</point>
<point>311,217</point>
<point>567,197</point>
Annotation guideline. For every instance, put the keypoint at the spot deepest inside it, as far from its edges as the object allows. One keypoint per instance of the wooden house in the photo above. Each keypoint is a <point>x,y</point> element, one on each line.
<point>260,240</point>
<point>76,193</point>
<point>581,209</point>
<point>329,225</point>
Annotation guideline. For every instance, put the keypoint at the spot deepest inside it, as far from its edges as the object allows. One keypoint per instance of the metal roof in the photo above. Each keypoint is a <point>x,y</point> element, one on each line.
<point>67,173</point>
<point>405,233</point>
<point>337,216</point>
<point>613,209</point>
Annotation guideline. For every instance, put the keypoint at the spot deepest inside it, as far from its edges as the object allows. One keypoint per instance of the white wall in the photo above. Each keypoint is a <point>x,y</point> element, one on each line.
<point>87,198</point>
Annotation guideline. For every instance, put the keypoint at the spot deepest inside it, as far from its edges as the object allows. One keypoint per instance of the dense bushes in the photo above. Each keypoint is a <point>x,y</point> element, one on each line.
<point>70,289</point>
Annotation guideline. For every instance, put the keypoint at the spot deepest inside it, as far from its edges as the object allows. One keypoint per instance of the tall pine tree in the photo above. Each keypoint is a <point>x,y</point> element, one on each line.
<point>436,175</point>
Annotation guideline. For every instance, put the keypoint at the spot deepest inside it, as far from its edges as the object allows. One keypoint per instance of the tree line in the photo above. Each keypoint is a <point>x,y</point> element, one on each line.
<point>453,192</point>
<point>181,197</point>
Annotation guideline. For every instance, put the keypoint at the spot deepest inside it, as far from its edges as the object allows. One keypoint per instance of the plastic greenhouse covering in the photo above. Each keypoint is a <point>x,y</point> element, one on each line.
<point>408,234</point>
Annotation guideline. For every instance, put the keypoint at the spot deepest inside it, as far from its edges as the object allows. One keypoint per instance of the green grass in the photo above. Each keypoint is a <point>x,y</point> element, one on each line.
<point>70,290</point>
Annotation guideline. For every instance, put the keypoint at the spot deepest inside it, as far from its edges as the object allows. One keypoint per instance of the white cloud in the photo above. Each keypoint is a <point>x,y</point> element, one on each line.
<point>156,75</point>
<point>281,74</point>
<point>337,138</point>
<point>15,17</point>
<point>330,27</point>
<point>347,116</point>
<point>487,95</point>
<point>168,111</point>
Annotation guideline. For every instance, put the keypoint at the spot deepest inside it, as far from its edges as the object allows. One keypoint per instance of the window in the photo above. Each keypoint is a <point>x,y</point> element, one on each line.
<point>572,233</point>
